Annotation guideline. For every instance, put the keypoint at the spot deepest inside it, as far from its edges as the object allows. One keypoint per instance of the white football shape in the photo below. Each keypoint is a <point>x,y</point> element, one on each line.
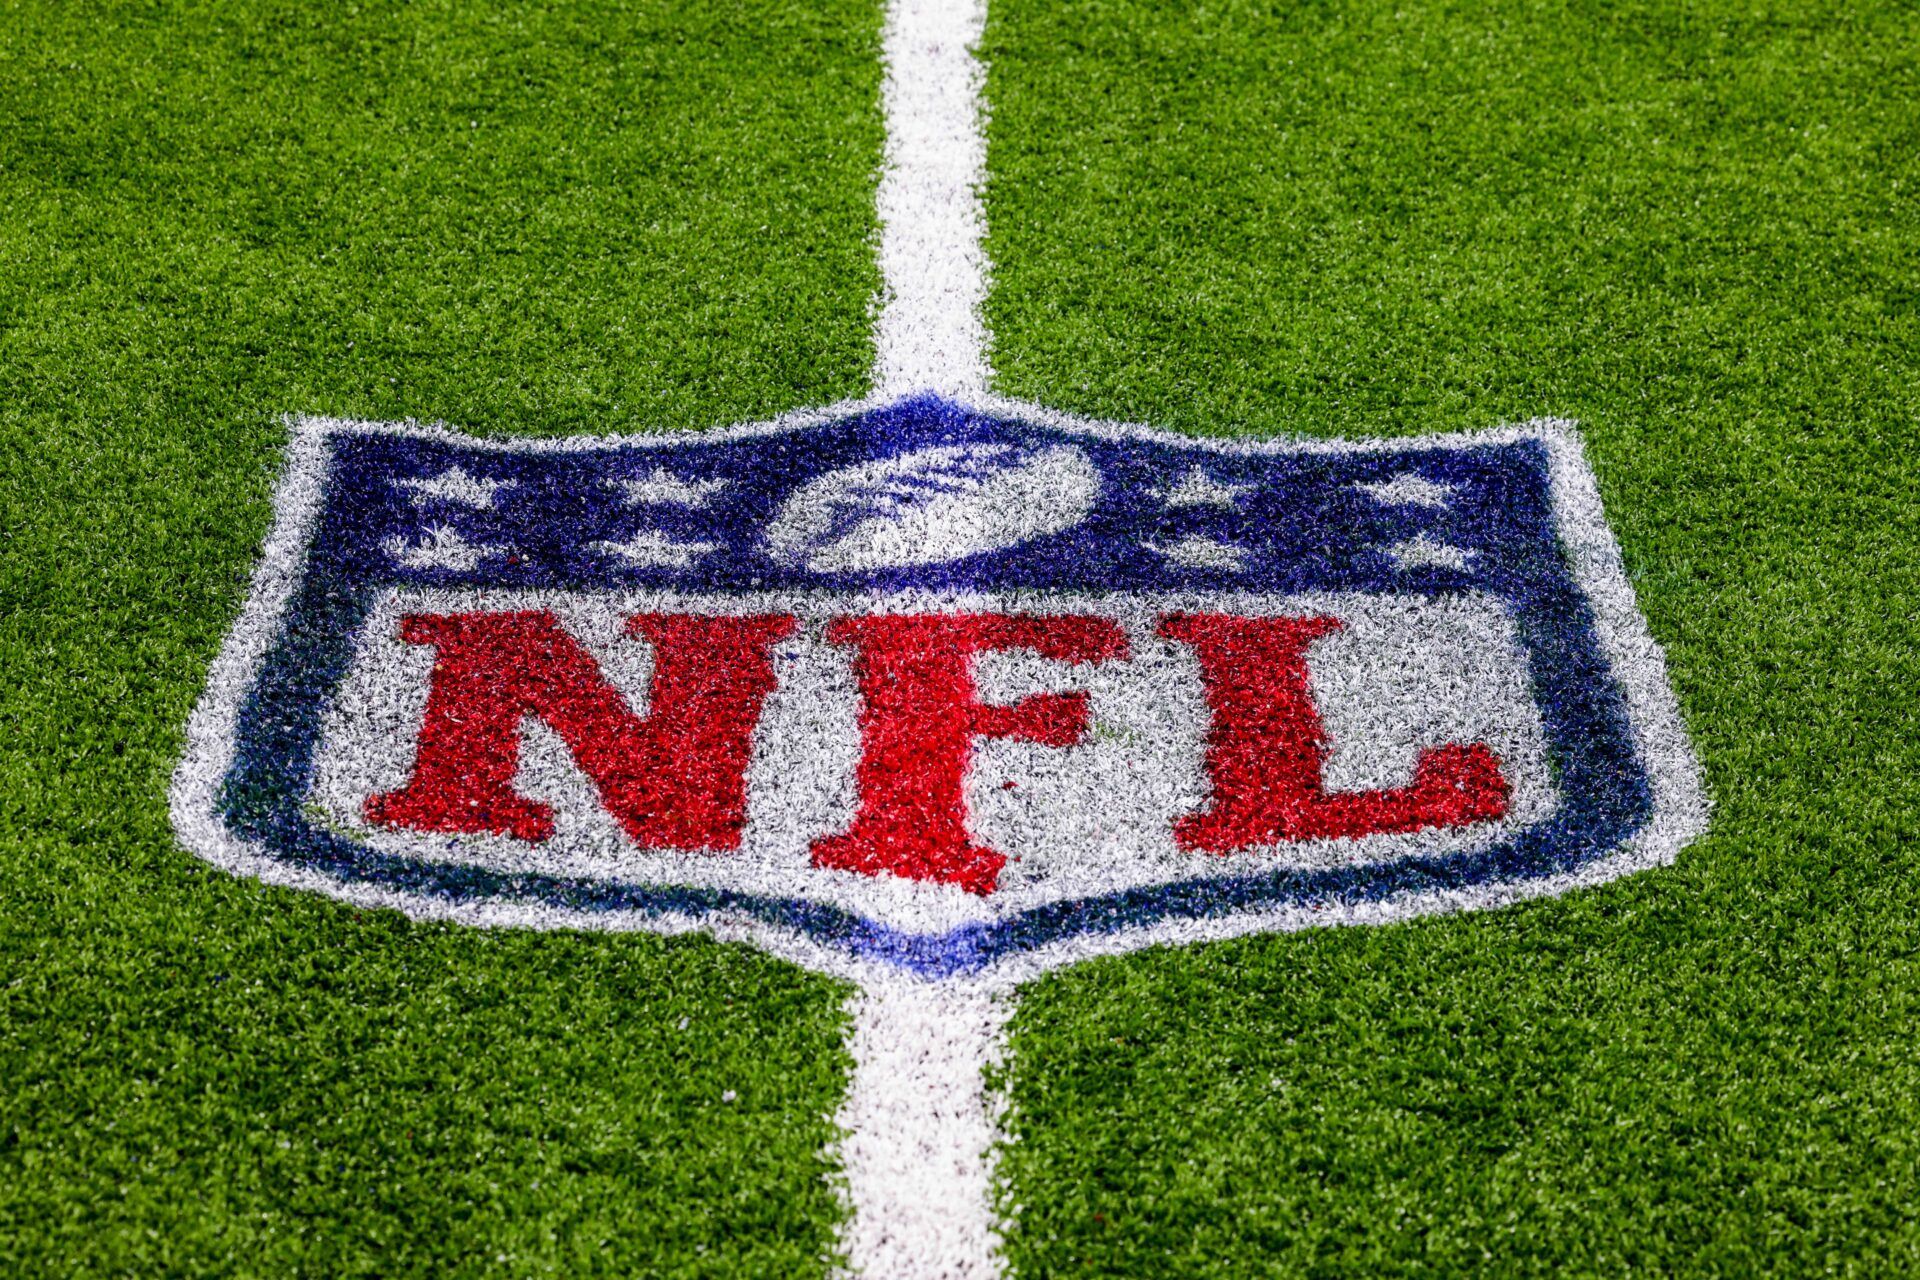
<point>932,506</point>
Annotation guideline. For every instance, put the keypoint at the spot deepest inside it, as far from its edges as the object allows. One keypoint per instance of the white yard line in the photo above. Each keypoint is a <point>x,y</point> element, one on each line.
<point>918,1130</point>
<point>929,335</point>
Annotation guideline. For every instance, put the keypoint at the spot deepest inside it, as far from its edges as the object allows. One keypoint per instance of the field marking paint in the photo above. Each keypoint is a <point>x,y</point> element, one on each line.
<point>929,334</point>
<point>917,1130</point>
<point>917,1155</point>
<point>1678,811</point>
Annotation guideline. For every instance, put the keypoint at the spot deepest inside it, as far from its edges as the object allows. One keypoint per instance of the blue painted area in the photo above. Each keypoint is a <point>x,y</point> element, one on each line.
<point>1305,526</point>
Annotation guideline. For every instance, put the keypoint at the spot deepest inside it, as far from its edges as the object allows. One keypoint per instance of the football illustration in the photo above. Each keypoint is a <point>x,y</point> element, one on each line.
<point>931,506</point>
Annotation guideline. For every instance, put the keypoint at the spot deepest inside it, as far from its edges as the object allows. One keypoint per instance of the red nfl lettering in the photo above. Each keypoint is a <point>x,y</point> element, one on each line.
<point>675,779</point>
<point>1266,747</point>
<point>920,714</point>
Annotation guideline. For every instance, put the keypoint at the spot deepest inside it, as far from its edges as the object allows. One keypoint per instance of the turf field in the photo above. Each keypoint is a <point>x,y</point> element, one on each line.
<point>1691,227</point>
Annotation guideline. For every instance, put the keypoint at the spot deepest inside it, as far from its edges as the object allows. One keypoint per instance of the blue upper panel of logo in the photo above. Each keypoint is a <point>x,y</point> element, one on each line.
<point>1160,516</point>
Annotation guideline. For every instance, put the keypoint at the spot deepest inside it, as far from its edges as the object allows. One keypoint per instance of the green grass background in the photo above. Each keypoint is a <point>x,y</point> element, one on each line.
<point>1693,227</point>
<point>1690,225</point>
<point>601,217</point>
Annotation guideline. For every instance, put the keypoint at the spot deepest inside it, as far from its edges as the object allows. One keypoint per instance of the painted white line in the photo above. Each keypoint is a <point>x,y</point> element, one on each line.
<point>919,1130</point>
<point>929,335</point>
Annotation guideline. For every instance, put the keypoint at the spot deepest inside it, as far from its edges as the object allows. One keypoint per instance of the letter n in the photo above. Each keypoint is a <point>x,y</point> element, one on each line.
<point>674,779</point>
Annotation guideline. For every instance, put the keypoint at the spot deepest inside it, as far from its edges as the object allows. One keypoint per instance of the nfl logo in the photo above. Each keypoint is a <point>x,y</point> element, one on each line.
<point>943,690</point>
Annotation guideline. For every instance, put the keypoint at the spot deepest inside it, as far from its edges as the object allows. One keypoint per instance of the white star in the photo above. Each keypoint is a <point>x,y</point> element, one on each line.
<point>455,485</point>
<point>650,548</point>
<point>1202,553</point>
<point>1198,489</point>
<point>1423,551</point>
<point>665,487</point>
<point>1408,490</point>
<point>442,549</point>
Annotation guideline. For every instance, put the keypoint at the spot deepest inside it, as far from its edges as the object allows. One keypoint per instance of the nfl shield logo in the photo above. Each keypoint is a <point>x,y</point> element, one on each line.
<point>937,689</point>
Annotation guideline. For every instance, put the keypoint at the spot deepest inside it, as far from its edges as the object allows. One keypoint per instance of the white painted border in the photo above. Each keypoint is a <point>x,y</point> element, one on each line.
<point>1678,815</point>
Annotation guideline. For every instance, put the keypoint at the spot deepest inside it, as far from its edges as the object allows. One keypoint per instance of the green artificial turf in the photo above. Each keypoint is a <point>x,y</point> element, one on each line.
<point>603,217</point>
<point>1693,227</point>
